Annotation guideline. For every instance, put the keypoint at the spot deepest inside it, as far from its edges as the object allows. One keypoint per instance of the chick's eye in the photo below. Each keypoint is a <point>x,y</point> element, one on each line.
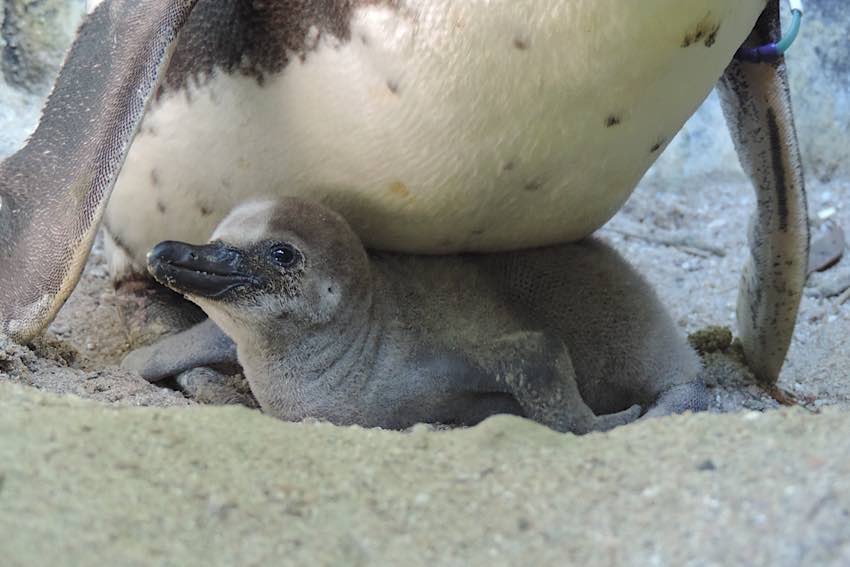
<point>285,255</point>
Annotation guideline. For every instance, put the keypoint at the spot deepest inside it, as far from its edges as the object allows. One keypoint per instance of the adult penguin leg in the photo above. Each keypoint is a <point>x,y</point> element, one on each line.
<point>757,104</point>
<point>54,190</point>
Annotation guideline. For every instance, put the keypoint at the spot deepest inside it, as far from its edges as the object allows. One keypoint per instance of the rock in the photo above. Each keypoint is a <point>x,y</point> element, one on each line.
<point>36,34</point>
<point>827,245</point>
<point>830,283</point>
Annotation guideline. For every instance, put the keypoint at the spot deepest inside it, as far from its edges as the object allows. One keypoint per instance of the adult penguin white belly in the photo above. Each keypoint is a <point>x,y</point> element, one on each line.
<point>431,125</point>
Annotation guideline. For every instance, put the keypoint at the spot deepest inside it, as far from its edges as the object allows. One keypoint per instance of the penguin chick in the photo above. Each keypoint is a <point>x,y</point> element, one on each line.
<point>569,335</point>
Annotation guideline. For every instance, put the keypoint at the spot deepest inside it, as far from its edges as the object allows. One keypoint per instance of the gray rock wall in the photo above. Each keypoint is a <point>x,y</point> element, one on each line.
<point>36,34</point>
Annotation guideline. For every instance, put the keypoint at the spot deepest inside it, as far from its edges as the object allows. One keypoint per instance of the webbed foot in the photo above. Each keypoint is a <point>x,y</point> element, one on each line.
<point>691,396</point>
<point>209,386</point>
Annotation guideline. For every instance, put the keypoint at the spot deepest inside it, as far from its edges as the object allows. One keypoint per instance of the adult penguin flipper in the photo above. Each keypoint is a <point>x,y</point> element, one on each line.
<point>757,104</point>
<point>54,190</point>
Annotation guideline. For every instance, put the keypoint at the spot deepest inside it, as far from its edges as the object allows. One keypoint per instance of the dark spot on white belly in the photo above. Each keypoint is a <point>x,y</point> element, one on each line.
<point>705,30</point>
<point>392,86</point>
<point>521,43</point>
<point>657,145</point>
<point>155,180</point>
<point>160,206</point>
<point>533,185</point>
<point>399,189</point>
<point>613,120</point>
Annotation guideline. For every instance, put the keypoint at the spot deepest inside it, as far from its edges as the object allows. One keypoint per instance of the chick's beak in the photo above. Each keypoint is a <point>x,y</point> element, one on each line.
<point>209,271</point>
